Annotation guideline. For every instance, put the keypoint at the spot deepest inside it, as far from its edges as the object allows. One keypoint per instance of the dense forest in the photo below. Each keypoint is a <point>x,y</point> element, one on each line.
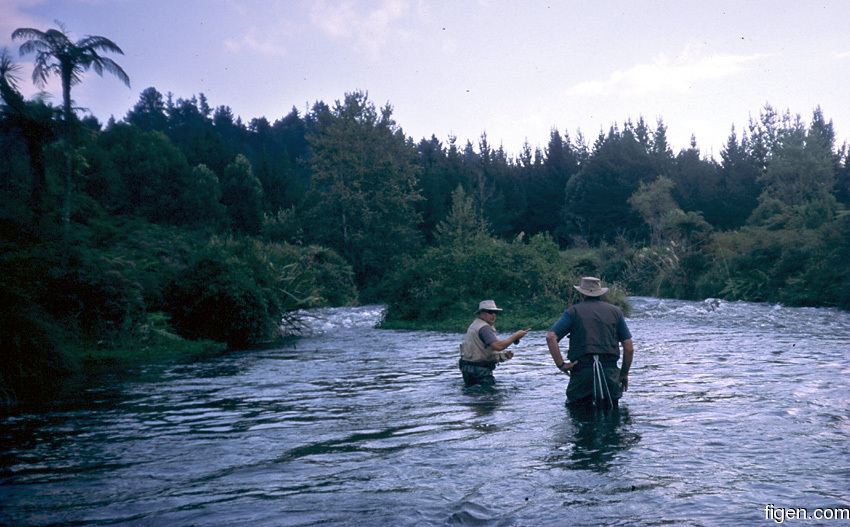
<point>180,226</point>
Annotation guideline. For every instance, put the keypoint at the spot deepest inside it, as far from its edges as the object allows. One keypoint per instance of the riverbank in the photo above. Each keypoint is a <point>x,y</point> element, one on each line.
<point>42,375</point>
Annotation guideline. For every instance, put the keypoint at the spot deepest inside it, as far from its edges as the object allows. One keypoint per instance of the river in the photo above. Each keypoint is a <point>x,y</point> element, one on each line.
<point>733,408</point>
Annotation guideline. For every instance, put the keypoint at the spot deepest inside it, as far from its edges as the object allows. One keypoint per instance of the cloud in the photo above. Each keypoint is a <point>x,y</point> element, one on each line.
<point>663,75</point>
<point>335,20</point>
<point>14,16</point>
<point>371,31</point>
<point>843,55</point>
<point>251,42</point>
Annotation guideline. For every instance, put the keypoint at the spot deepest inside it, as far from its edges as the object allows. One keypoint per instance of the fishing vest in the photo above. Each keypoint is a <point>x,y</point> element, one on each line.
<point>593,329</point>
<point>473,349</point>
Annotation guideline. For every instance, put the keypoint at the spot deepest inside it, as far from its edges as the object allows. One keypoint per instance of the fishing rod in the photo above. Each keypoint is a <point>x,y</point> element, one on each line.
<point>543,322</point>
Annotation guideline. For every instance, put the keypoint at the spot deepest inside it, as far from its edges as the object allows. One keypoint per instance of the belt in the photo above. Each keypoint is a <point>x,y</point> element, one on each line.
<point>586,360</point>
<point>491,364</point>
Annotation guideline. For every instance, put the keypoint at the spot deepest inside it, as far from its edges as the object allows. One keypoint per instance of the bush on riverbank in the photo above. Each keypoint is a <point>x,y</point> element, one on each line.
<point>531,280</point>
<point>33,345</point>
<point>132,291</point>
<point>795,266</point>
<point>784,258</point>
<point>242,291</point>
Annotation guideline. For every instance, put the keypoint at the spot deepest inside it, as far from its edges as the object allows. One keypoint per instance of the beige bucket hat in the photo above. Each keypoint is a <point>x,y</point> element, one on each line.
<point>487,305</point>
<point>591,286</point>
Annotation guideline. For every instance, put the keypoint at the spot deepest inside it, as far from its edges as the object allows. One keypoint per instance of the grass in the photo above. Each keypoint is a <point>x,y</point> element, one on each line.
<point>98,357</point>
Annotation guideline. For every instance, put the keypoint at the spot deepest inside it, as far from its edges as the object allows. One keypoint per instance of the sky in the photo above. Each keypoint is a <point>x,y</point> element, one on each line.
<point>514,70</point>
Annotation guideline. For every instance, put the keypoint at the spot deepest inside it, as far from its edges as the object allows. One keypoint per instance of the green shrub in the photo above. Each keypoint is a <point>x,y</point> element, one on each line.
<point>225,296</point>
<point>795,266</point>
<point>102,298</point>
<point>331,276</point>
<point>442,289</point>
<point>240,290</point>
<point>34,355</point>
<point>117,272</point>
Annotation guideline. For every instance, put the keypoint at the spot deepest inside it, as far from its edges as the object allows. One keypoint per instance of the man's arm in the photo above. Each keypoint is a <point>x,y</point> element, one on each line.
<point>628,355</point>
<point>555,351</point>
<point>501,345</point>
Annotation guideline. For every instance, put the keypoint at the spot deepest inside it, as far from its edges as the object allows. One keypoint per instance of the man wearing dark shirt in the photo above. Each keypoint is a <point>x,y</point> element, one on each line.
<point>596,330</point>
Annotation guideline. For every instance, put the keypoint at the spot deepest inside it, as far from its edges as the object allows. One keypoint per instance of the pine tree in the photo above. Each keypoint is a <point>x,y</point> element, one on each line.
<point>364,187</point>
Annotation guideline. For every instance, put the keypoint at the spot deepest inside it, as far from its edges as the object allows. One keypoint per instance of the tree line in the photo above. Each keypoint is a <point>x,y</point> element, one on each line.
<point>181,221</point>
<point>765,222</point>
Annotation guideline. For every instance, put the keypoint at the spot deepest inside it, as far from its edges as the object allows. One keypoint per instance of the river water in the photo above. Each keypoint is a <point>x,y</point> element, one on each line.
<point>733,408</point>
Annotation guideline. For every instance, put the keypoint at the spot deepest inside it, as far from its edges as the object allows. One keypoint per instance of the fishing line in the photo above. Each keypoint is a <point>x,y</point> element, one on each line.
<point>543,322</point>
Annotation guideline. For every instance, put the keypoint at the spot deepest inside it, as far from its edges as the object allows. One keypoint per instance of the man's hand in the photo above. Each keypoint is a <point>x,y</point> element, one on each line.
<point>624,382</point>
<point>519,334</point>
<point>509,354</point>
<point>567,366</point>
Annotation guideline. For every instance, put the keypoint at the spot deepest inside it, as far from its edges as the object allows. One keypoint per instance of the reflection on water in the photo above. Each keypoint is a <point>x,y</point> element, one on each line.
<point>589,439</point>
<point>600,435</point>
<point>731,406</point>
<point>483,400</point>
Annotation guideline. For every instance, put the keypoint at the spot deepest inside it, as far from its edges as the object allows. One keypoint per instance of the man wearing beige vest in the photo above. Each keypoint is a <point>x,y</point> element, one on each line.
<point>481,349</point>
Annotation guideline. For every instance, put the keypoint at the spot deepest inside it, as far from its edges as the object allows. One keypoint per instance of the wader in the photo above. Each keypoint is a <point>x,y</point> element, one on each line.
<point>587,386</point>
<point>477,372</point>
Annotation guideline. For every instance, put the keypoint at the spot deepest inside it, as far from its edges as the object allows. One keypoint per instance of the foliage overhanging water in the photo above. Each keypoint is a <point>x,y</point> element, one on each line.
<point>732,407</point>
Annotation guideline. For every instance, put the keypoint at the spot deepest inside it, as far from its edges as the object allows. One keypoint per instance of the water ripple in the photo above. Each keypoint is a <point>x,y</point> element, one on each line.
<point>732,406</point>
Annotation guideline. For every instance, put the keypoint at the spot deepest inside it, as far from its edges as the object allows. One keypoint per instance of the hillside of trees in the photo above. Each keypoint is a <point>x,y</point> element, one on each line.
<point>180,223</point>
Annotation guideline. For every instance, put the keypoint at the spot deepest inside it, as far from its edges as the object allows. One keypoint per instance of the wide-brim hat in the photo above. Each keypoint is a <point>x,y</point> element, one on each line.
<point>591,286</point>
<point>487,305</point>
